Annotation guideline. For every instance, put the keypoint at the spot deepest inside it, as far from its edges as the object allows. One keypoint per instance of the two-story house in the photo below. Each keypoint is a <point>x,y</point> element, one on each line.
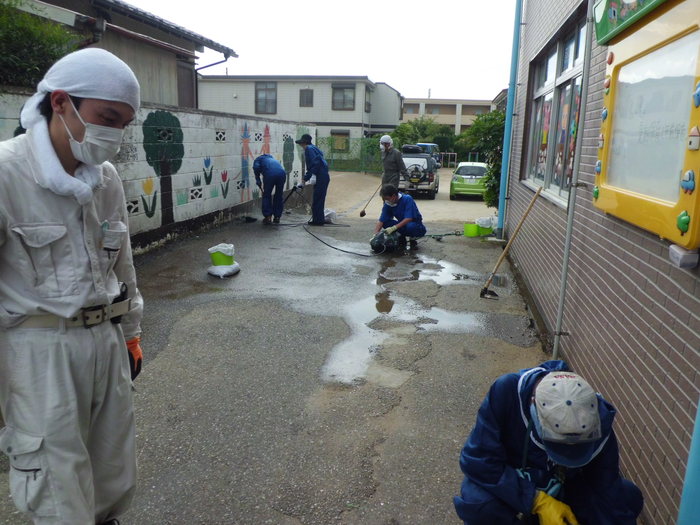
<point>342,107</point>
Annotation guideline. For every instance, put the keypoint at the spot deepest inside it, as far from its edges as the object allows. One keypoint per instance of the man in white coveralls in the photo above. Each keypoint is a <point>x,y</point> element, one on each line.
<point>69,306</point>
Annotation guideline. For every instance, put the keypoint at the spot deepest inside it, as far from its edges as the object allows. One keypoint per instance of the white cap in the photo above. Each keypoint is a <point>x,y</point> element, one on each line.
<point>566,418</point>
<point>386,139</point>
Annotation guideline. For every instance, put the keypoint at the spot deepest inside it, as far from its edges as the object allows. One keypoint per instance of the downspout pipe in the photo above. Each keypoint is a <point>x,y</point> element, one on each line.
<point>508,131</point>
<point>690,500</point>
<point>574,178</point>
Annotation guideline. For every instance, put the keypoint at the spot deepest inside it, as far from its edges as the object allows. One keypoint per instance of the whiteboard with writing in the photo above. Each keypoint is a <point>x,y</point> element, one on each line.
<point>650,119</point>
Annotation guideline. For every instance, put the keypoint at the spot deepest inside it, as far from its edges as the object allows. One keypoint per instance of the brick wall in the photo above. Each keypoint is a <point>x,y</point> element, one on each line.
<point>633,318</point>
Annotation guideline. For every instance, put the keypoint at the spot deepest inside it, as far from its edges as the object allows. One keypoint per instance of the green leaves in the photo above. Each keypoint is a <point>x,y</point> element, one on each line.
<point>29,45</point>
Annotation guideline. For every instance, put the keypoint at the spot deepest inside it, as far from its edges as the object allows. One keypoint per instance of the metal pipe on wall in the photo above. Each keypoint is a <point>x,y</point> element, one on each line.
<point>508,131</point>
<point>574,178</point>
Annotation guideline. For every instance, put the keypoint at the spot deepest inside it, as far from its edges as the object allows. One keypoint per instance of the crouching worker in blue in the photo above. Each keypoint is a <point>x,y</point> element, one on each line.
<point>401,214</point>
<point>273,178</point>
<point>543,450</point>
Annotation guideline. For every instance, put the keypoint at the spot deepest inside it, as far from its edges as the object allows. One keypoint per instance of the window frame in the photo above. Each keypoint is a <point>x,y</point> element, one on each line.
<point>551,77</point>
<point>340,134</point>
<point>303,100</point>
<point>267,88</point>
<point>344,90</point>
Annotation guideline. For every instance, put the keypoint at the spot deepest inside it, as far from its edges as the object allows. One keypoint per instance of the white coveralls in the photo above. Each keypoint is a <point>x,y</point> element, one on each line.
<point>65,392</point>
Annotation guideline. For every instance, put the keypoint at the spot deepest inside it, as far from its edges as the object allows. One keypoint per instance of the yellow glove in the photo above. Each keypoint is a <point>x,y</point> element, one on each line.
<point>551,511</point>
<point>390,229</point>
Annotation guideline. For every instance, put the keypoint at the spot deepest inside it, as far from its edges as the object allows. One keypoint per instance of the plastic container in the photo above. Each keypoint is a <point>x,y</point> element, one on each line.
<point>484,231</point>
<point>221,254</point>
<point>471,229</point>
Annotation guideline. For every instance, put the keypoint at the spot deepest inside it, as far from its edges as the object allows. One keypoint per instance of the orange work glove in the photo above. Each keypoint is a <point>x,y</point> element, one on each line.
<point>135,356</point>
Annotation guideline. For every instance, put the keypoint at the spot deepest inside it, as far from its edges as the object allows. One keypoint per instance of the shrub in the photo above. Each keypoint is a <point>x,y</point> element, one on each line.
<point>29,45</point>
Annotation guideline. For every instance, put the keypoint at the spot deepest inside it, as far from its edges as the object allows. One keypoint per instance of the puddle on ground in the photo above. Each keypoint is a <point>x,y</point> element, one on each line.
<point>350,360</point>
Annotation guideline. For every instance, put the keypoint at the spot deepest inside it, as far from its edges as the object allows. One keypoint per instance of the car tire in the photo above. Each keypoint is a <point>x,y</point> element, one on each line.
<point>431,195</point>
<point>452,198</point>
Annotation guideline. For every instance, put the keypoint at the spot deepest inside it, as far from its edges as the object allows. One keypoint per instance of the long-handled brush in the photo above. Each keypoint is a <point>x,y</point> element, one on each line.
<point>363,212</point>
<point>490,294</point>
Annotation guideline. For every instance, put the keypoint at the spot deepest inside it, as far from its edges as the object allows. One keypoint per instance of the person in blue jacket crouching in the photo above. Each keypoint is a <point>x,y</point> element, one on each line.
<point>543,450</point>
<point>401,214</point>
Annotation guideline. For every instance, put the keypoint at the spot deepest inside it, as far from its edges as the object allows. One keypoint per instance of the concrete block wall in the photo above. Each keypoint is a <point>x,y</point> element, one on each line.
<point>633,318</point>
<point>209,157</point>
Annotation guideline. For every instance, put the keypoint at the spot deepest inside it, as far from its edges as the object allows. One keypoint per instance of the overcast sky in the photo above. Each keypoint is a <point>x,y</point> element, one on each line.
<point>448,48</point>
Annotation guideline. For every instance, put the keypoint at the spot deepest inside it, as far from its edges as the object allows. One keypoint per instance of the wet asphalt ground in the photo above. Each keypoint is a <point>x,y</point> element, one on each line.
<point>322,384</point>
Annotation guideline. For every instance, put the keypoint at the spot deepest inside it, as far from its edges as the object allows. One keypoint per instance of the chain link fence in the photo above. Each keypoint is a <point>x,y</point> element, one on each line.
<point>351,154</point>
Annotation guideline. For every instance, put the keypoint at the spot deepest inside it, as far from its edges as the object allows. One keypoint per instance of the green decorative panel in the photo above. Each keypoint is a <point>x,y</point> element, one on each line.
<point>614,16</point>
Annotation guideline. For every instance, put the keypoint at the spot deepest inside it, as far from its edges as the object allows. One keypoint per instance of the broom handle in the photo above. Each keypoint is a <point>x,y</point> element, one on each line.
<point>512,237</point>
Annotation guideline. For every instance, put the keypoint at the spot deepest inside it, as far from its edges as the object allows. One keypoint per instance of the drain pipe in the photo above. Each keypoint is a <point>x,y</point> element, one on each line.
<point>690,500</point>
<point>508,131</point>
<point>574,179</point>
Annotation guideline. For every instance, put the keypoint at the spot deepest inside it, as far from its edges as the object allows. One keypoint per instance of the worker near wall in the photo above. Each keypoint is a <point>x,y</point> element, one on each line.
<point>392,162</point>
<point>543,448</point>
<point>70,310</point>
<point>273,178</point>
<point>316,167</point>
<point>400,214</point>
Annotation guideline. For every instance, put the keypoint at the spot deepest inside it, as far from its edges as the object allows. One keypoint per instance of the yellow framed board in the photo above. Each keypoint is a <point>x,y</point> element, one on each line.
<point>648,167</point>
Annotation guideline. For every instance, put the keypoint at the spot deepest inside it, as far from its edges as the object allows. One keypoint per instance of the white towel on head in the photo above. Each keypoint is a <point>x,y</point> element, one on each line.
<point>87,73</point>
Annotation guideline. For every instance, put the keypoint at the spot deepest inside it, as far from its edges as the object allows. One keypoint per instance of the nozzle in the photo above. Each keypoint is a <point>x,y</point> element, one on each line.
<point>363,213</point>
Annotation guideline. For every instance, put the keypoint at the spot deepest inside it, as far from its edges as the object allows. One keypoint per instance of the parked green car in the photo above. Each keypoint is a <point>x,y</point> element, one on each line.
<point>468,179</point>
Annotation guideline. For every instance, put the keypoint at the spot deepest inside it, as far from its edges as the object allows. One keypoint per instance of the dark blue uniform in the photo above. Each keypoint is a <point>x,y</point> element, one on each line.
<point>316,165</point>
<point>504,466</point>
<point>274,177</point>
<point>405,208</point>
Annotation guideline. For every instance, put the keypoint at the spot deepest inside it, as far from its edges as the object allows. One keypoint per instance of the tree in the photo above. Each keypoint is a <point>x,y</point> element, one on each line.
<point>422,129</point>
<point>29,45</point>
<point>485,136</point>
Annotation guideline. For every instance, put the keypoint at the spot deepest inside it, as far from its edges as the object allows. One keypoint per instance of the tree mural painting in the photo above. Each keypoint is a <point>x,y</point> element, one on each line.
<point>288,156</point>
<point>246,154</point>
<point>162,141</point>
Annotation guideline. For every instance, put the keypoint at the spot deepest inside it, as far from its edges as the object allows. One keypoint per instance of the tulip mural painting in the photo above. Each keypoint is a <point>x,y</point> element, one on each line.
<point>224,183</point>
<point>149,205</point>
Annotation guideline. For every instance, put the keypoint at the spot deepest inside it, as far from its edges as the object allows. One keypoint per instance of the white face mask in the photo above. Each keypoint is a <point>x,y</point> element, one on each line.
<point>99,144</point>
<point>382,147</point>
<point>391,204</point>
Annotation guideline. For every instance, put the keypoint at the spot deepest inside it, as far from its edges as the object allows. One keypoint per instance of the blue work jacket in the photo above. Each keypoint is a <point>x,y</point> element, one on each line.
<point>405,208</point>
<point>267,166</point>
<point>315,164</point>
<point>501,459</point>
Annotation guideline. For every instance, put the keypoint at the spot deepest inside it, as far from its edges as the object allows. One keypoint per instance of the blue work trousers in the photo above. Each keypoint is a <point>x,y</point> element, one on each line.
<point>412,229</point>
<point>318,204</point>
<point>273,205</point>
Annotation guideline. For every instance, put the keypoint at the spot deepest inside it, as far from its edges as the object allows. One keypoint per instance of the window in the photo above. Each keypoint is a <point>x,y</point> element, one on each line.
<point>368,100</point>
<point>266,98</point>
<point>306,98</point>
<point>344,98</point>
<point>555,108</point>
<point>340,141</point>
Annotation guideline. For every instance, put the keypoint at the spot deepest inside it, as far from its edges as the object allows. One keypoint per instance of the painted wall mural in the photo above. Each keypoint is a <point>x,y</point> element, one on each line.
<point>162,142</point>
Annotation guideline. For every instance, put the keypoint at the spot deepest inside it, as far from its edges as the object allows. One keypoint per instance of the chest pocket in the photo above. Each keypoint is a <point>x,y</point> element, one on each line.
<point>48,260</point>
<point>113,236</point>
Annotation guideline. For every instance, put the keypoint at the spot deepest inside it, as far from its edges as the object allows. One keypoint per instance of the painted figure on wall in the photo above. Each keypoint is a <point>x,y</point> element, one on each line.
<point>288,156</point>
<point>246,154</point>
<point>265,150</point>
<point>162,142</point>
